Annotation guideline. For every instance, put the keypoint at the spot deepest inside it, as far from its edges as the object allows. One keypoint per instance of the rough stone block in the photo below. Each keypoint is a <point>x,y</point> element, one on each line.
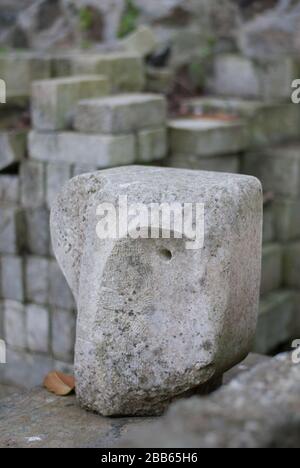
<point>36,279</point>
<point>271,268</point>
<point>225,163</point>
<point>127,318</point>
<point>278,168</point>
<point>269,223</point>
<point>56,176</point>
<point>9,189</point>
<point>291,265</point>
<point>12,278</point>
<point>125,71</point>
<point>142,41</point>
<point>63,334</point>
<point>32,181</point>
<point>12,147</point>
<point>37,238</point>
<point>37,328</point>
<point>11,229</point>
<point>72,148</point>
<point>20,69</point>
<point>205,138</point>
<point>238,76</point>
<point>14,324</point>
<point>159,80</point>
<point>287,219</point>
<point>54,101</point>
<point>125,113</point>
<point>267,122</point>
<point>275,321</point>
<point>152,145</point>
<point>59,292</point>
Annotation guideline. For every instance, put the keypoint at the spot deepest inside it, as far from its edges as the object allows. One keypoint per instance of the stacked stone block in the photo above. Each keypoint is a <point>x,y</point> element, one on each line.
<point>266,148</point>
<point>37,308</point>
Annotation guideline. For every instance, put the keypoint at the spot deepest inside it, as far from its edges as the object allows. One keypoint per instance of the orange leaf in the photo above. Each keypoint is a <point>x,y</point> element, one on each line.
<point>59,383</point>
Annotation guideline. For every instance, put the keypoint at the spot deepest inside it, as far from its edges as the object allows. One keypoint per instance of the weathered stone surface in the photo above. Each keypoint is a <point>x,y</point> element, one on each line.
<point>73,148</point>
<point>159,80</point>
<point>54,101</point>
<point>37,237</point>
<point>225,163</point>
<point>267,122</point>
<point>121,114</point>
<point>125,71</point>
<point>259,409</point>
<point>271,268</point>
<point>23,368</point>
<point>287,220</point>
<point>11,229</point>
<point>63,323</point>
<point>12,148</point>
<point>269,224</point>
<point>12,278</point>
<point>152,145</point>
<point>32,183</point>
<point>46,413</point>
<point>203,137</point>
<point>59,292</point>
<point>126,306</point>
<point>238,76</point>
<point>275,321</point>
<point>14,324</point>
<point>19,69</point>
<point>142,41</point>
<point>291,265</point>
<point>9,189</point>
<point>56,176</point>
<point>278,168</point>
<point>36,279</point>
<point>37,328</point>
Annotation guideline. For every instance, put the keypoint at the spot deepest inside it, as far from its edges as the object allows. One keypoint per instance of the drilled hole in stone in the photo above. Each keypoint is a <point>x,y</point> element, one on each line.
<point>166,254</point>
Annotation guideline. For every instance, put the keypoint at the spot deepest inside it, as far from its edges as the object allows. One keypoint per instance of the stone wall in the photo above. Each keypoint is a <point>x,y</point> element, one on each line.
<point>255,27</point>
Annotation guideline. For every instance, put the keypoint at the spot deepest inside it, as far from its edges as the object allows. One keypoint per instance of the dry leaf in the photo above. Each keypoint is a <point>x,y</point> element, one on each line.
<point>59,383</point>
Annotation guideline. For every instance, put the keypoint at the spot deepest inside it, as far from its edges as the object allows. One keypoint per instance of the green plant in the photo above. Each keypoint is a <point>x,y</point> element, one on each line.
<point>129,19</point>
<point>85,18</point>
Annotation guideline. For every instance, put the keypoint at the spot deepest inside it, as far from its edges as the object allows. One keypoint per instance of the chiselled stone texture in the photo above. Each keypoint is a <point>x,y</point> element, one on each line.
<point>140,342</point>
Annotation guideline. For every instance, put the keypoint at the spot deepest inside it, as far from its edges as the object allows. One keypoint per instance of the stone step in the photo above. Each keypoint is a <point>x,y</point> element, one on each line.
<point>206,137</point>
<point>248,385</point>
<point>267,122</point>
<point>53,102</point>
<point>119,114</point>
<point>125,71</point>
<point>19,70</point>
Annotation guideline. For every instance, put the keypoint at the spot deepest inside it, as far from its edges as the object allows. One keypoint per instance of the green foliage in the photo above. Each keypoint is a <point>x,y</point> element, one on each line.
<point>129,19</point>
<point>85,18</point>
